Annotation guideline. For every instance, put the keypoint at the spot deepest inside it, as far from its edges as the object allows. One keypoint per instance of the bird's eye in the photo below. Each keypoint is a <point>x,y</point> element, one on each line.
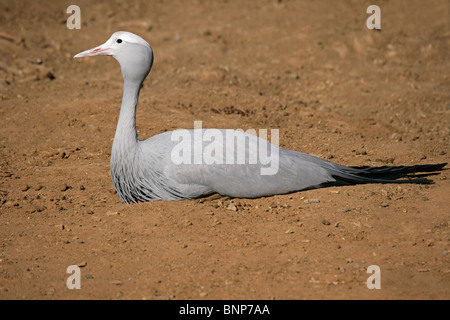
<point>119,40</point>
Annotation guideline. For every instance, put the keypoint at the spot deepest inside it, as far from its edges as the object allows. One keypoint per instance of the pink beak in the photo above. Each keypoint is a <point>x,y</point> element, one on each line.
<point>101,50</point>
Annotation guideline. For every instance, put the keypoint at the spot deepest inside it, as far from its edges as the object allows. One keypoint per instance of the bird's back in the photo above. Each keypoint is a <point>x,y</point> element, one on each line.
<point>214,165</point>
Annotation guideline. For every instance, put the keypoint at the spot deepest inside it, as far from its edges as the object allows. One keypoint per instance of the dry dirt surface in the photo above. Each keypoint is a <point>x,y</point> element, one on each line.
<point>311,69</point>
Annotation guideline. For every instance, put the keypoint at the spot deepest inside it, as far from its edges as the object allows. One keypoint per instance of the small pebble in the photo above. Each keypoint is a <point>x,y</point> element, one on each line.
<point>36,61</point>
<point>232,206</point>
<point>336,130</point>
<point>65,187</point>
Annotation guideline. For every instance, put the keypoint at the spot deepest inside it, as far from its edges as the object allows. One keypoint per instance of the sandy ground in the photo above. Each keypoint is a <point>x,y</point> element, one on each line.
<point>311,69</point>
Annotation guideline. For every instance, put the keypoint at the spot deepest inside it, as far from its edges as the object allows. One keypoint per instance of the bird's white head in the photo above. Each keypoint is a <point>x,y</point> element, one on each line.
<point>134,54</point>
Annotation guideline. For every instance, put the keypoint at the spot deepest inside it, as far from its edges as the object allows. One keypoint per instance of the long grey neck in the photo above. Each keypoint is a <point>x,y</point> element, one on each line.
<point>126,136</point>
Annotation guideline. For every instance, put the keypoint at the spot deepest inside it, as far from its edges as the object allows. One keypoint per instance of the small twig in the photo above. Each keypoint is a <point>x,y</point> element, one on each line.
<point>7,37</point>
